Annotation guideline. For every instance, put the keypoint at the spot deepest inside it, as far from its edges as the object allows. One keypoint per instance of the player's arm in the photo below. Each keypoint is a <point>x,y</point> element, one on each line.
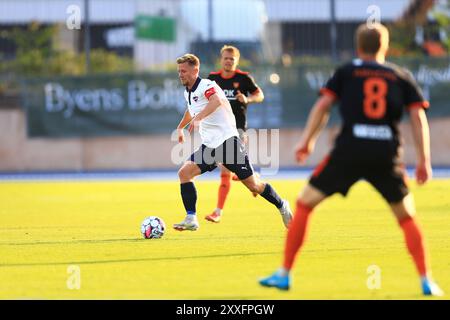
<point>421,135</point>
<point>317,119</point>
<point>256,97</point>
<point>183,123</point>
<point>213,103</point>
<point>416,103</point>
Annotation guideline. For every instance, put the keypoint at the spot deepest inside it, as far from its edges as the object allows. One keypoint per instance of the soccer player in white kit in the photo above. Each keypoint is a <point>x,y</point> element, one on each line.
<point>209,109</point>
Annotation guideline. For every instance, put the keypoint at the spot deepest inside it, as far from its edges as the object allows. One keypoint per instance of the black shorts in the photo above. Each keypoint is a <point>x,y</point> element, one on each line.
<point>337,174</point>
<point>231,154</point>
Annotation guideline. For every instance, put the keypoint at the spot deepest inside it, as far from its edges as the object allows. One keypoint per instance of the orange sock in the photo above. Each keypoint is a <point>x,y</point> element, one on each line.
<point>296,234</point>
<point>415,243</point>
<point>224,188</point>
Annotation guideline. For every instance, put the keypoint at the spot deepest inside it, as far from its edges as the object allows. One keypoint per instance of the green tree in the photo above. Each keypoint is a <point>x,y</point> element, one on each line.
<point>37,55</point>
<point>443,21</point>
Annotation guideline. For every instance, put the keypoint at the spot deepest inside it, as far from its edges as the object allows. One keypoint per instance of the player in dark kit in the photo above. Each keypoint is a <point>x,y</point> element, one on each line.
<point>240,90</point>
<point>372,97</point>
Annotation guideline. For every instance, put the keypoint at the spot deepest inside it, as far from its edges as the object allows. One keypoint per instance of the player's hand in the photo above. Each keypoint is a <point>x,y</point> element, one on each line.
<point>302,150</point>
<point>180,135</point>
<point>423,172</point>
<point>241,97</point>
<point>193,124</point>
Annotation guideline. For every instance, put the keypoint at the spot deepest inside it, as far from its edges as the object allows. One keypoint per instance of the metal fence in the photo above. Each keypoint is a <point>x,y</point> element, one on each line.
<point>153,33</point>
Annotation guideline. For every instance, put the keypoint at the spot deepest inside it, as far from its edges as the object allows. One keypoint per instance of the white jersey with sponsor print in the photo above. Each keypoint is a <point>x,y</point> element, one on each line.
<point>219,125</point>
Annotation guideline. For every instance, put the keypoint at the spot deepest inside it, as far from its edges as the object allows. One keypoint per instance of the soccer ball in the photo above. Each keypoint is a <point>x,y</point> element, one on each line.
<point>153,228</point>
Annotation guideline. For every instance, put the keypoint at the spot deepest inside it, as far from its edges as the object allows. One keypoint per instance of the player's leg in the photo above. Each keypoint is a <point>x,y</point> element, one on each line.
<point>200,162</point>
<point>392,185</point>
<point>235,159</point>
<point>329,177</point>
<point>309,198</point>
<point>186,174</point>
<point>404,211</point>
<point>265,190</point>
<point>224,189</point>
<point>244,139</point>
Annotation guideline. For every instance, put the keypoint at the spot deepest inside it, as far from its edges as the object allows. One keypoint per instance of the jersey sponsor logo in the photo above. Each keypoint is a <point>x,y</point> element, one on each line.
<point>366,73</point>
<point>236,85</point>
<point>229,93</point>
<point>373,132</point>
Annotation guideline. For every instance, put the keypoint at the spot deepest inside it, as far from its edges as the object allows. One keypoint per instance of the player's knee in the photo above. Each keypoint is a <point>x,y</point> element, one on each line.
<point>403,215</point>
<point>255,187</point>
<point>305,202</point>
<point>181,174</point>
<point>311,197</point>
<point>225,176</point>
<point>184,173</point>
<point>404,209</point>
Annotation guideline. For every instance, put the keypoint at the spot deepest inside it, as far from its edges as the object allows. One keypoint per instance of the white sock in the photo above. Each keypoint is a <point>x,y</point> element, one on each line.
<point>283,272</point>
<point>218,211</point>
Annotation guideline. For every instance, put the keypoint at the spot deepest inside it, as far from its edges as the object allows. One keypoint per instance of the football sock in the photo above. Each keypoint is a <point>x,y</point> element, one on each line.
<point>283,272</point>
<point>415,244</point>
<point>189,196</point>
<point>296,234</point>
<point>270,195</point>
<point>224,188</point>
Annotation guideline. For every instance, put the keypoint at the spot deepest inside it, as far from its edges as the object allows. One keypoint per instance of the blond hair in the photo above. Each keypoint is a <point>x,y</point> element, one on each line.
<point>190,59</point>
<point>233,50</point>
<point>371,39</point>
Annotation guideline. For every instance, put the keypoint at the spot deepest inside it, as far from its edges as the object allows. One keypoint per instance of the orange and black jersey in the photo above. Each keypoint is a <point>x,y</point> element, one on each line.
<point>372,98</point>
<point>241,81</point>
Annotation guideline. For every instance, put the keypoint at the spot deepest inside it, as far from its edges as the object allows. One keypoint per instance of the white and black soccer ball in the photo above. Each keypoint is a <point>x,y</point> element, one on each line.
<point>153,228</point>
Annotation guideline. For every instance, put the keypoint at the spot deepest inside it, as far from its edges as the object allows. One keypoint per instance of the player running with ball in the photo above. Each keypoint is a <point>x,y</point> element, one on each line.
<point>209,109</point>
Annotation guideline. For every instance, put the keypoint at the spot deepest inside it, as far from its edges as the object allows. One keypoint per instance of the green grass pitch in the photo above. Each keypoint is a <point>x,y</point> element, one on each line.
<point>46,227</point>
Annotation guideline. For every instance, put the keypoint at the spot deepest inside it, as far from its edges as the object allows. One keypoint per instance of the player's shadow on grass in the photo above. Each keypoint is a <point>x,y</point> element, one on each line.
<point>225,255</point>
<point>73,241</point>
<point>134,239</point>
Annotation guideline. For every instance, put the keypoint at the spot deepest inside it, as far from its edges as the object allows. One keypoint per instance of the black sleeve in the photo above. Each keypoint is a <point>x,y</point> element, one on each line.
<point>251,85</point>
<point>412,94</point>
<point>334,85</point>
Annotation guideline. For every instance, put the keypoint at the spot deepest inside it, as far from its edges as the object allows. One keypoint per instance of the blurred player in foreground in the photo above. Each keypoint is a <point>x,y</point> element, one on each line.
<point>372,95</point>
<point>209,109</point>
<point>240,90</point>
